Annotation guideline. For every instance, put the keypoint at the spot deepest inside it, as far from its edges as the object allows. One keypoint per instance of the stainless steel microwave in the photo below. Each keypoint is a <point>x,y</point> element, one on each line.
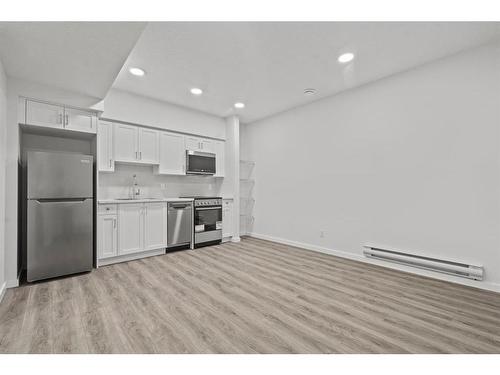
<point>200,162</point>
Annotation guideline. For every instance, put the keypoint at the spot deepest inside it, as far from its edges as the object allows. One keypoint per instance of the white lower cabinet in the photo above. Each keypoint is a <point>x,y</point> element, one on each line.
<point>155,225</point>
<point>227,218</point>
<point>132,228</point>
<point>107,236</point>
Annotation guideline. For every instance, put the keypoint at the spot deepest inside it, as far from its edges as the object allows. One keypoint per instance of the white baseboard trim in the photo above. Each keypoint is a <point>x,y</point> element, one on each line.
<point>126,258</point>
<point>3,288</point>
<point>360,258</point>
<point>235,239</point>
<point>12,283</point>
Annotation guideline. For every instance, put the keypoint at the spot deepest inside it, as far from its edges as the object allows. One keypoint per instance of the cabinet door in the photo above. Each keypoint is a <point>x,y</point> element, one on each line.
<point>107,237</point>
<point>172,154</point>
<point>207,145</point>
<point>227,218</point>
<point>76,119</point>
<point>125,142</point>
<point>193,143</point>
<point>105,160</point>
<point>42,114</point>
<point>130,228</point>
<point>155,226</point>
<point>148,146</point>
<point>219,158</point>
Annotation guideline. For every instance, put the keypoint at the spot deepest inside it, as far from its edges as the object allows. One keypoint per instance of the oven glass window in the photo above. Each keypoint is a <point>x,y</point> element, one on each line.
<point>208,217</point>
<point>199,163</point>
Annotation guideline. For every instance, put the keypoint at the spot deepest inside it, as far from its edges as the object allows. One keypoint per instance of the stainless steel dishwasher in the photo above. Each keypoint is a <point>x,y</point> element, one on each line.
<point>179,223</point>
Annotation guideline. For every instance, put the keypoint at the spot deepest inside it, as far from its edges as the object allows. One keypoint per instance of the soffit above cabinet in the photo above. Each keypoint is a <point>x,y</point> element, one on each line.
<point>268,65</point>
<point>82,57</point>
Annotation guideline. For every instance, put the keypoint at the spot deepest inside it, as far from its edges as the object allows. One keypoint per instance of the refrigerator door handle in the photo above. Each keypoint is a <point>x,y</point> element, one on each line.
<point>64,200</point>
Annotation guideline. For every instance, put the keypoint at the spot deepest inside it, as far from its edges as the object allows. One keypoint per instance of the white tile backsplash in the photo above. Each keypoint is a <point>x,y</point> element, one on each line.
<point>118,184</point>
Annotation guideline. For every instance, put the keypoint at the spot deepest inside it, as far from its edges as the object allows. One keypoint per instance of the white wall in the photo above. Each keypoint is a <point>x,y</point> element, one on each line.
<point>17,87</point>
<point>124,106</point>
<point>3,126</point>
<point>411,162</point>
<point>118,184</point>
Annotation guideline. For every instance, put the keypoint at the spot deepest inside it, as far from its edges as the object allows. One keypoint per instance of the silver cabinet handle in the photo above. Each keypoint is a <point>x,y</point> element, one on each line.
<point>60,118</point>
<point>136,157</point>
<point>110,163</point>
<point>140,155</point>
<point>67,119</point>
<point>114,223</point>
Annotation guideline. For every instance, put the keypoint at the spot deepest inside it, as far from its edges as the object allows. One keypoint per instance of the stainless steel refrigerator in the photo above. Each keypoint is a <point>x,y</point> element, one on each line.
<point>59,214</point>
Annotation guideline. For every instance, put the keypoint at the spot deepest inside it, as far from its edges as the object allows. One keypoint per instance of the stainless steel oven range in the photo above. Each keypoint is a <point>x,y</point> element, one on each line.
<point>207,221</point>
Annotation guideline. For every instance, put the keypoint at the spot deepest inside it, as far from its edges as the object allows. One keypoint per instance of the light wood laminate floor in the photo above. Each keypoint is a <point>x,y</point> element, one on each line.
<point>252,297</point>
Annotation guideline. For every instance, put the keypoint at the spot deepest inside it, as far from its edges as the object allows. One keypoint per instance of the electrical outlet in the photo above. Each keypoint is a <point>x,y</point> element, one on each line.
<point>163,186</point>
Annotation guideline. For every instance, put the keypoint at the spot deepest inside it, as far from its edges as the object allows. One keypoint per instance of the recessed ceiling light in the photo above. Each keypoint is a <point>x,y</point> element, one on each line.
<point>196,91</point>
<point>239,105</point>
<point>137,71</point>
<point>346,57</point>
<point>309,91</point>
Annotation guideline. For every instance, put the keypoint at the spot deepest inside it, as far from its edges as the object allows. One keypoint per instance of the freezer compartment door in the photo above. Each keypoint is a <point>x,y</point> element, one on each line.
<point>59,175</point>
<point>59,237</point>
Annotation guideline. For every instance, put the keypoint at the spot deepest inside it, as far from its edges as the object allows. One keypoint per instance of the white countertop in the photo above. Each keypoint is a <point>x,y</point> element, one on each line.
<point>151,200</point>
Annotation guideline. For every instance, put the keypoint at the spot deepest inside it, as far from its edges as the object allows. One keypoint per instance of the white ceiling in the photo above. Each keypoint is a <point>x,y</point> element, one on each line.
<point>84,57</point>
<point>268,65</point>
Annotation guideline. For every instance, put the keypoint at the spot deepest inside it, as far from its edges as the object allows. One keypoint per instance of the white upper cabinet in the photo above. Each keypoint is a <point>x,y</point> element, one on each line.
<point>172,154</point>
<point>58,116</point>
<point>148,146</point>
<point>155,226</point>
<point>193,144</point>
<point>135,144</point>
<point>130,228</point>
<point>125,142</point>
<point>43,114</point>
<point>105,161</point>
<point>76,119</point>
<point>219,147</point>
<point>207,145</point>
<point>200,144</point>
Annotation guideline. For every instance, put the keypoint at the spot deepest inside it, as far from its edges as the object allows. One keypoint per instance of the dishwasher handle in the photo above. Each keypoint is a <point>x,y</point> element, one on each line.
<point>180,206</point>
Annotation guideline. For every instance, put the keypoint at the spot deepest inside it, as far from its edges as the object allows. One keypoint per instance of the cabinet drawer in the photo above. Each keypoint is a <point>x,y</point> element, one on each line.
<point>106,209</point>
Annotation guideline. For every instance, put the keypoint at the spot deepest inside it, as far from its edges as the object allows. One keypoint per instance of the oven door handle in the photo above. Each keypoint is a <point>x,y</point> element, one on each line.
<point>208,208</point>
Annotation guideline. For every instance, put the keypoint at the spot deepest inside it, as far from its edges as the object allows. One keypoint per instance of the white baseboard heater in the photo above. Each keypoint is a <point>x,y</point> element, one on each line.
<point>439,265</point>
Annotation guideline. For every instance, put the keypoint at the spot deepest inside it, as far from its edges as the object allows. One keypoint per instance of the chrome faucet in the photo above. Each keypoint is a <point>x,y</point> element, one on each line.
<point>136,191</point>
